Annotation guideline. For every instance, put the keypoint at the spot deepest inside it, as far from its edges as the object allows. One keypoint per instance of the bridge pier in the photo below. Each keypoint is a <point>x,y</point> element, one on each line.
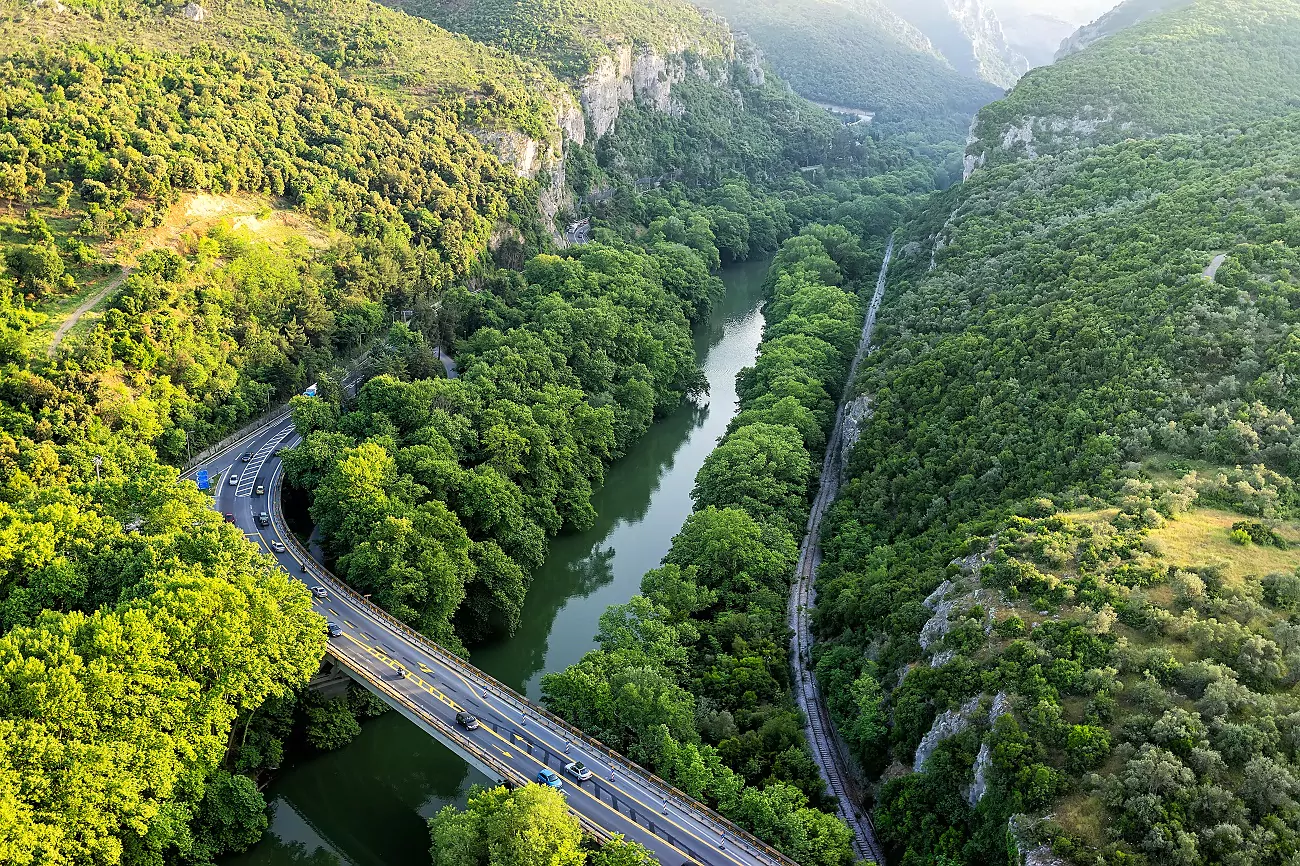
<point>331,681</point>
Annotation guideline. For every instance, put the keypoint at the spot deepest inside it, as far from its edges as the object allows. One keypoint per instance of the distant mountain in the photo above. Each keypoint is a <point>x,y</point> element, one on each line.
<point>1123,16</point>
<point>968,34</point>
<point>1184,68</point>
<point>1036,29</point>
<point>860,54</point>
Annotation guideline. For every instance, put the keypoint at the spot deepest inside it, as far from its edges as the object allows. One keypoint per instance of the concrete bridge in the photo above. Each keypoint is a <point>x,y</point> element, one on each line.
<point>429,685</point>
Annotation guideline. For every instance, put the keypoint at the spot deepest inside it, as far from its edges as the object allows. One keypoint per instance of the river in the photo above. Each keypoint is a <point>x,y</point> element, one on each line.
<point>366,804</point>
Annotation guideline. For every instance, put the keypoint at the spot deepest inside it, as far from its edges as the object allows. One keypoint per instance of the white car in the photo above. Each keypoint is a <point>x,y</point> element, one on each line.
<point>578,770</point>
<point>234,480</point>
<point>277,546</point>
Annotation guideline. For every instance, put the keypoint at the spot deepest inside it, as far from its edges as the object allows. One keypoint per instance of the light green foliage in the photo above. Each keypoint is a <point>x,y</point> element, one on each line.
<point>692,678</point>
<point>571,36</point>
<point>526,826</point>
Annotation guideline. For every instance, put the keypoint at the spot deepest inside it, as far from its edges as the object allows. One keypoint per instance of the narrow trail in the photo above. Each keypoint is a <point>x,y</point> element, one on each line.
<point>1213,270</point>
<point>828,749</point>
<point>86,306</point>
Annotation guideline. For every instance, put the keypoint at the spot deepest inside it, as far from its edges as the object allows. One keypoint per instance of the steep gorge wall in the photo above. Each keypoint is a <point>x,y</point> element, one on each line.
<point>626,75</point>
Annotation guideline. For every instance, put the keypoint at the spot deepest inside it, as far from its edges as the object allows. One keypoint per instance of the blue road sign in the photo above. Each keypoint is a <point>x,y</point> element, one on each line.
<point>202,478</point>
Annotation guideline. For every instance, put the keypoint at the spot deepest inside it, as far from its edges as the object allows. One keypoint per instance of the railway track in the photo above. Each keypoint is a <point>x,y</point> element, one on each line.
<point>828,749</point>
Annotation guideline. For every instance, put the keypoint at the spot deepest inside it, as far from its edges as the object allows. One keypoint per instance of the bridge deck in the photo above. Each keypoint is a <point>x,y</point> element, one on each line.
<point>428,685</point>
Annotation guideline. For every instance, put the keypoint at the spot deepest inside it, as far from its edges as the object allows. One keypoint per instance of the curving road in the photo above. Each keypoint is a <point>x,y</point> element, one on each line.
<point>835,766</point>
<point>428,685</point>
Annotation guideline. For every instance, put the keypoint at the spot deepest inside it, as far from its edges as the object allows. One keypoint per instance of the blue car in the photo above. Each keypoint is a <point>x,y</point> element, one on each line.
<point>547,777</point>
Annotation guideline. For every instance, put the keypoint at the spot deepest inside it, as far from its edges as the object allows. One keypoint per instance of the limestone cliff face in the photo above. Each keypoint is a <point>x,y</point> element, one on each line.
<point>968,34</point>
<point>645,76</point>
<point>624,76</point>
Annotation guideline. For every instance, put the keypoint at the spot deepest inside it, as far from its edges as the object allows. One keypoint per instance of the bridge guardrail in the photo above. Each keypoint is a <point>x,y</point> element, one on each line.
<point>506,771</point>
<point>721,824</point>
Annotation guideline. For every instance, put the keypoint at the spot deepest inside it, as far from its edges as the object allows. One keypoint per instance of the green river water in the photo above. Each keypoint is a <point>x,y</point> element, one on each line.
<point>366,805</point>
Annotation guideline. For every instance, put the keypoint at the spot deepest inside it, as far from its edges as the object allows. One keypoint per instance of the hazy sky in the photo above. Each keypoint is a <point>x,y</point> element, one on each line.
<point>1073,11</point>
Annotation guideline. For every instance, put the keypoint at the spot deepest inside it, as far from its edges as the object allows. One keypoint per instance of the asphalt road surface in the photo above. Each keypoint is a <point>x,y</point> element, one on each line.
<point>429,686</point>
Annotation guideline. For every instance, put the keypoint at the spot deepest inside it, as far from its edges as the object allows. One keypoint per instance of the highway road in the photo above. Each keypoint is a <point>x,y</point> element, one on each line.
<point>429,686</point>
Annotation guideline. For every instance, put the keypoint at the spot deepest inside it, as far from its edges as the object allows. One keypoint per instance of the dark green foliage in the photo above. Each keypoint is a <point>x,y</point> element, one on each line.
<point>571,36</point>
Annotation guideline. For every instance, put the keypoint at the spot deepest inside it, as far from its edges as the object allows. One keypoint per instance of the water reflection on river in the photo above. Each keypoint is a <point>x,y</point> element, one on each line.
<point>366,805</point>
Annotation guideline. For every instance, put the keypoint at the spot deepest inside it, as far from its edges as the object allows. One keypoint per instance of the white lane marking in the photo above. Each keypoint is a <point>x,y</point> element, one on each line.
<point>254,467</point>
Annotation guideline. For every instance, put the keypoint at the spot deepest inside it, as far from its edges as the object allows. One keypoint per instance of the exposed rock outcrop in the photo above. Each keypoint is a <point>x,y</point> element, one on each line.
<point>948,724</point>
<point>195,12</point>
<point>1028,852</point>
<point>968,34</point>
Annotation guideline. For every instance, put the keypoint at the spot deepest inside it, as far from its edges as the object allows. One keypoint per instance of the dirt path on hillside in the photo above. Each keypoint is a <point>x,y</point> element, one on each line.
<point>89,304</point>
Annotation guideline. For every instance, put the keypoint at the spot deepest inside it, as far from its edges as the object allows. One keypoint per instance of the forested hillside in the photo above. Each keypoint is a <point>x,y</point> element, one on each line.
<point>571,36</point>
<point>1117,19</point>
<point>203,212</point>
<point>1056,614</point>
<point>862,55</point>
<point>968,34</point>
<point>1188,69</point>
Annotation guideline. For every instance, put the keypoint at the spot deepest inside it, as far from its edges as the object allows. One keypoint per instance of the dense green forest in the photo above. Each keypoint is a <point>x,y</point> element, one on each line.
<point>1056,611</point>
<point>1189,69</point>
<point>571,36</point>
<point>862,56</point>
<point>251,199</point>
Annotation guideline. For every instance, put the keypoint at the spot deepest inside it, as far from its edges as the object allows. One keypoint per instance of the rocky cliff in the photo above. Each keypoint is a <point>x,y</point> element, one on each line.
<point>968,34</point>
<point>626,75</point>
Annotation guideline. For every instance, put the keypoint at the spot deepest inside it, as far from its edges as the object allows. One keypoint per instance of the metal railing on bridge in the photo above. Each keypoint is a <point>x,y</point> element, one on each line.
<point>720,824</point>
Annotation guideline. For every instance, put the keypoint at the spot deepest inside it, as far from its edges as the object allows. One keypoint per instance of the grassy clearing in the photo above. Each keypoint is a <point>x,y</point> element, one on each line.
<point>247,216</point>
<point>1204,537</point>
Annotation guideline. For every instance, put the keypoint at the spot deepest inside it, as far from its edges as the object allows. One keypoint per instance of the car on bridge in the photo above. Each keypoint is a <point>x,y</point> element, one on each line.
<point>468,721</point>
<point>277,546</point>
<point>550,779</point>
<point>578,770</point>
<point>263,519</point>
<point>319,591</point>
<point>332,628</point>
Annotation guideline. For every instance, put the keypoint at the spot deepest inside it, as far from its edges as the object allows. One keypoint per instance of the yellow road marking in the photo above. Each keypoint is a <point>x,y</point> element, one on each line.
<point>663,818</point>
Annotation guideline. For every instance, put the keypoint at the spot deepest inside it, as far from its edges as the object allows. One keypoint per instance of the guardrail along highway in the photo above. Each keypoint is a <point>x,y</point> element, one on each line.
<point>429,686</point>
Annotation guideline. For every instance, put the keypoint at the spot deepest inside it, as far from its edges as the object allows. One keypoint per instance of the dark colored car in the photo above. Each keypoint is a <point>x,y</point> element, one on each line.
<point>230,516</point>
<point>468,721</point>
<point>246,457</point>
<point>332,628</point>
<point>263,519</point>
